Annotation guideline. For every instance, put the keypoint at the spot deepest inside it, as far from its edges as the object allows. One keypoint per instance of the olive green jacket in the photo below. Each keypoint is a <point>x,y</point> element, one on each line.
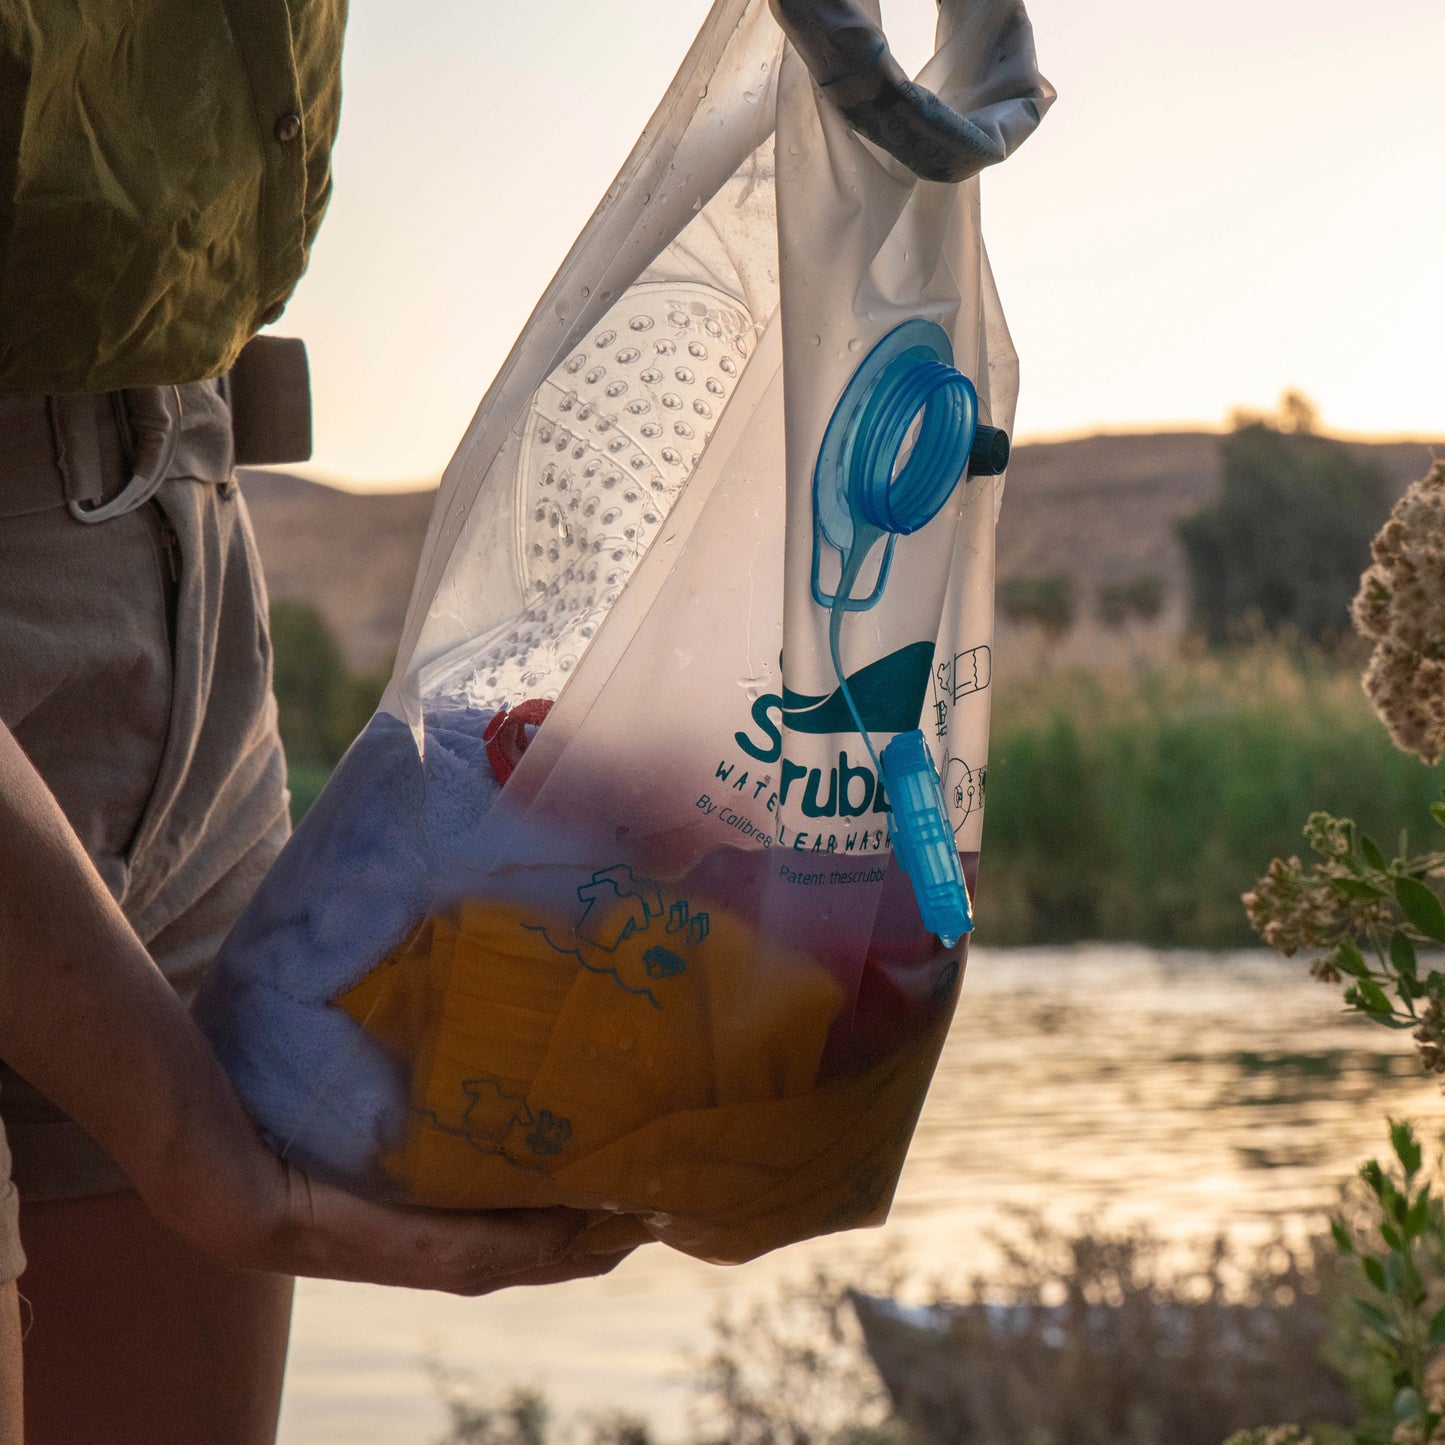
<point>164,165</point>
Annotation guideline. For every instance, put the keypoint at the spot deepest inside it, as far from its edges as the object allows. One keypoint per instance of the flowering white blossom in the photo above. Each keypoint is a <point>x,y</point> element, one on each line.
<point>1401,605</point>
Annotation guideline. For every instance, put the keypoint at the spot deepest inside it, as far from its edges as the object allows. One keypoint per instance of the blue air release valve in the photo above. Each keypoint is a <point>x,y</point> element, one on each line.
<point>907,386</point>
<point>923,840</point>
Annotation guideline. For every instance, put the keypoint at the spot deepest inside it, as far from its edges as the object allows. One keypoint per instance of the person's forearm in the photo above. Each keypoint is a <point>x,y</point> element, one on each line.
<point>85,1015</point>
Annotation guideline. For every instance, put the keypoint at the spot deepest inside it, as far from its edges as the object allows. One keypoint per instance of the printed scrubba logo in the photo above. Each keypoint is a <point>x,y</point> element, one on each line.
<point>889,697</point>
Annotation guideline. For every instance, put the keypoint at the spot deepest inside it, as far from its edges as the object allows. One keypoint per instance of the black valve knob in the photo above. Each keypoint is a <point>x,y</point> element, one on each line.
<point>989,454</point>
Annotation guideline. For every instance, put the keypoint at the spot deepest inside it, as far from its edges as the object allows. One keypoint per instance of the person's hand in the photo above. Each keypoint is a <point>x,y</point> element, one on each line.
<point>263,1213</point>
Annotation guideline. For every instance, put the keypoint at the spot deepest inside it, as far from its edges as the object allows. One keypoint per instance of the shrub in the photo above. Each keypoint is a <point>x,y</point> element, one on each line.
<point>1287,538</point>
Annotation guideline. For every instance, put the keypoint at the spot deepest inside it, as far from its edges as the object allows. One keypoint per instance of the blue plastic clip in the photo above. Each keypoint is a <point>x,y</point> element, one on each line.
<point>923,840</point>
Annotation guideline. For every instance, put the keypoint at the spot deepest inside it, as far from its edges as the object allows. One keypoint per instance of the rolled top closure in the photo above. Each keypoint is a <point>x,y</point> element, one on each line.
<point>848,55</point>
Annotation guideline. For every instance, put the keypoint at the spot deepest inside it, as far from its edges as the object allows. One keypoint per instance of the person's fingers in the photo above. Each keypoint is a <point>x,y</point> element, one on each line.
<point>305,1227</point>
<point>335,1235</point>
<point>586,1266</point>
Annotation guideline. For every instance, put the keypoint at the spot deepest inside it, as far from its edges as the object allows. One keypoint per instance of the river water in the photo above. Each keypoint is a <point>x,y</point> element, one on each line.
<point>1198,1092</point>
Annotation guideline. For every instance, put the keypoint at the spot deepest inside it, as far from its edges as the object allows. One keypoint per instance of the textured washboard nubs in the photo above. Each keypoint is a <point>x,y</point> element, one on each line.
<point>1401,606</point>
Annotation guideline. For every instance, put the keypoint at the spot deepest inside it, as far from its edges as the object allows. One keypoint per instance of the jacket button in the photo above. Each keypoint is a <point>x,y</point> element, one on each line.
<point>288,127</point>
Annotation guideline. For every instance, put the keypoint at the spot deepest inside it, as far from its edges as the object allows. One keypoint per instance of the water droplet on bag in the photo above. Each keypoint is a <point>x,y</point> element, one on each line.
<point>854,344</point>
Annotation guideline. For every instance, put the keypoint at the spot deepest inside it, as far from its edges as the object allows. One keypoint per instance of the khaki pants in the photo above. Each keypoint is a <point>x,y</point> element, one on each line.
<point>135,671</point>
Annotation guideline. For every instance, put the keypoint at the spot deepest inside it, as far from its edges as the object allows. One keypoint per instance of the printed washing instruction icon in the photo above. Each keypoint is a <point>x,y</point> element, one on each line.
<point>906,387</point>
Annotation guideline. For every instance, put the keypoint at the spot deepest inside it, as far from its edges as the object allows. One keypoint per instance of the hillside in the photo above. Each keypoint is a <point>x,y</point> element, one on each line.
<point>1098,509</point>
<point>1103,510</point>
<point>350,555</point>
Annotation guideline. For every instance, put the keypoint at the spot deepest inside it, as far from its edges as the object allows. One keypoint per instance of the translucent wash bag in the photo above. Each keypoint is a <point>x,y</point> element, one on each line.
<point>644,890</point>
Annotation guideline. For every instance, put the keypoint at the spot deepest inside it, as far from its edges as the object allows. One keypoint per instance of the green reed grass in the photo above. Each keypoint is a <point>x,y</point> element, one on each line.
<point>1141,805</point>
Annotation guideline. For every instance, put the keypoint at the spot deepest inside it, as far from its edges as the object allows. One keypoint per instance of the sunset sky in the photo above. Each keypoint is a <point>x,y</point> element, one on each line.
<point>1226,201</point>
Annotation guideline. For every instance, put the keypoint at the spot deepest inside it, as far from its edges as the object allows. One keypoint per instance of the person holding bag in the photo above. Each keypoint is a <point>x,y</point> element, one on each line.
<point>163,170</point>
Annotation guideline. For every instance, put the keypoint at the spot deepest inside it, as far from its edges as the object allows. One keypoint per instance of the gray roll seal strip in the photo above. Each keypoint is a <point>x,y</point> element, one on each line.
<point>849,58</point>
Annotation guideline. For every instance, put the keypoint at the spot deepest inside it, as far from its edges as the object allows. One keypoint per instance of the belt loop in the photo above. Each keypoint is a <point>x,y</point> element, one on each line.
<point>150,425</point>
<point>74,425</point>
<point>124,431</point>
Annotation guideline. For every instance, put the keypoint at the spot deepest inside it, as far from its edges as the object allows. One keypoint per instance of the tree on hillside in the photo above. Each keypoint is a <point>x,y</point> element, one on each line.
<point>1141,599</point>
<point>1047,601</point>
<point>1289,535</point>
